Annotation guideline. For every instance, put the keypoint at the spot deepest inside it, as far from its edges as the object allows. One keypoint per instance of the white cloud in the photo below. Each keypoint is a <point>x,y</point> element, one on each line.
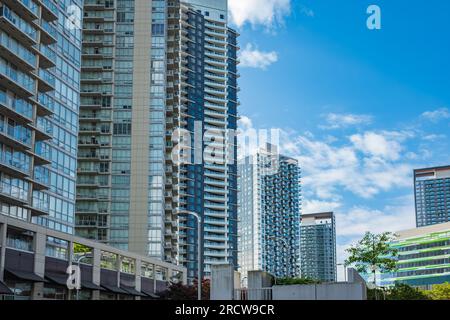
<point>434,137</point>
<point>353,224</point>
<point>245,122</point>
<point>337,121</point>
<point>251,57</point>
<point>258,12</point>
<point>377,145</point>
<point>358,220</point>
<point>437,115</point>
<point>366,165</point>
<point>315,206</point>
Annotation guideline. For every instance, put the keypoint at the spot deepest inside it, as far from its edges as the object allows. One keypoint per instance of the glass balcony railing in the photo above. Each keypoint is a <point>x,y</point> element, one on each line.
<point>51,6</point>
<point>16,104</point>
<point>44,125</point>
<point>19,77</point>
<point>46,101</point>
<point>50,29</point>
<point>16,132</point>
<point>31,5</point>
<point>14,46</point>
<point>48,52</point>
<point>42,175</point>
<point>17,160</point>
<point>47,77</point>
<point>17,21</point>
<point>42,150</point>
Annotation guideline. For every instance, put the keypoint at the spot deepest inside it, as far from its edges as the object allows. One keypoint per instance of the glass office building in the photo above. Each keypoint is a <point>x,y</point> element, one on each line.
<point>150,71</point>
<point>269,213</point>
<point>318,246</point>
<point>40,45</point>
<point>423,257</point>
<point>432,194</point>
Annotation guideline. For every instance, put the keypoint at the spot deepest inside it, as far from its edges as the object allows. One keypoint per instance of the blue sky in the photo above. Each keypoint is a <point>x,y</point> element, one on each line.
<point>359,108</point>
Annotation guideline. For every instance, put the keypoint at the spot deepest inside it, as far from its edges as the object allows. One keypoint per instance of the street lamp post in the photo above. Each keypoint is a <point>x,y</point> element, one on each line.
<point>199,270</point>
<point>78,263</point>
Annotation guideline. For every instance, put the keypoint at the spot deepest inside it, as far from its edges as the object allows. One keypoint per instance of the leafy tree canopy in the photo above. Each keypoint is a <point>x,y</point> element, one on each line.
<point>439,292</point>
<point>373,252</point>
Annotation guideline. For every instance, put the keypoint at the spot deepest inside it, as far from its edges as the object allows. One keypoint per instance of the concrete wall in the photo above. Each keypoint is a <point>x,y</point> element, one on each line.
<point>222,282</point>
<point>329,291</point>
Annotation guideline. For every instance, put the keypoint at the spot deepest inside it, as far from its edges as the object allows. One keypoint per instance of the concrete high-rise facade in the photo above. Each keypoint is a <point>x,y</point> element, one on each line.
<point>159,83</point>
<point>269,213</point>
<point>432,194</point>
<point>318,246</point>
<point>40,58</point>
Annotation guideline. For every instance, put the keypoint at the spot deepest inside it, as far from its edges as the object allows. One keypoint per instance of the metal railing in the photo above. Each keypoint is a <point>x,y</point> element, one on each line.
<point>264,294</point>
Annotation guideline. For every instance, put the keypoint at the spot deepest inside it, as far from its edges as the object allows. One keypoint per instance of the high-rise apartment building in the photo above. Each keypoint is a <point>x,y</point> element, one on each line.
<point>318,246</point>
<point>159,84</point>
<point>432,194</point>
<point>269,213</point>
<point>39,101</point>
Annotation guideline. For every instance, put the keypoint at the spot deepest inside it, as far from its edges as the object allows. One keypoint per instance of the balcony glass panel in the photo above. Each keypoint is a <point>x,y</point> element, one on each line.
<point>18,22</point>
<point>12,158</point>
<point>16,104</point>
<point>14,46</point>
<point>21,78</point>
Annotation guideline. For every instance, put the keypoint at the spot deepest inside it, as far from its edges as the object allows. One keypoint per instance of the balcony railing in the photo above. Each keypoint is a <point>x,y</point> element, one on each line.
<point>16,104</point>
<point>18,49</point>
<point>18,22</point>
<point>17,76</point>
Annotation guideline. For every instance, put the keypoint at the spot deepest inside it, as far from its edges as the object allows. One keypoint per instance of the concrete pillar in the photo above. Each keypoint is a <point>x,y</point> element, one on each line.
<point>257,282</point>
<point>96,266</point>
<point>70,252</point>
<point>222,282</point>
<point>37,291</point>
<point>40,242</point>
<point>185,278</point>
<point>96,295</point>
<point>3,228</point>
<point>138,275</point>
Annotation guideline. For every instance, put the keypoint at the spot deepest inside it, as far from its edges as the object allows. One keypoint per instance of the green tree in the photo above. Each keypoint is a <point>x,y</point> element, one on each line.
<point>373,252</point>
<point>403,291</point>
<point>439,292</point>
<point>291,281</point>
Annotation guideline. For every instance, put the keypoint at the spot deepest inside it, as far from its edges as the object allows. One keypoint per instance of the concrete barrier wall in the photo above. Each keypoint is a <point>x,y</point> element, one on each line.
<point>329,291</point>
<point>222,282</point>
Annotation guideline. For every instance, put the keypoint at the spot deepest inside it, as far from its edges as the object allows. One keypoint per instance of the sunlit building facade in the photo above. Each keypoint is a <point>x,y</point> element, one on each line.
<point>432,194</point>
<point>152,72</point>
<point>269,214</point>
<point>318,246</point>
<point>40,53</point>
